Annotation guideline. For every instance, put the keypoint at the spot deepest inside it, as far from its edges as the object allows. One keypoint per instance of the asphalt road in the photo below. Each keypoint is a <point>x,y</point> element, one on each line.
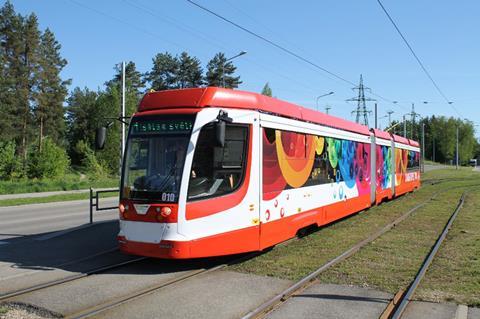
<point>34,219</point>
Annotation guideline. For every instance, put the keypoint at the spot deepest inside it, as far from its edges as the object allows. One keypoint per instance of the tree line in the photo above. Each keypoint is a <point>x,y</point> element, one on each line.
<point>40,136</point>
<point>441,138</point>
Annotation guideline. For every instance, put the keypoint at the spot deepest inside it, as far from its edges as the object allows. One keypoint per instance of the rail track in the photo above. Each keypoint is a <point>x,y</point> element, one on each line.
<point>14,296</point>
<point>400,298</point>
<point>7,296</point>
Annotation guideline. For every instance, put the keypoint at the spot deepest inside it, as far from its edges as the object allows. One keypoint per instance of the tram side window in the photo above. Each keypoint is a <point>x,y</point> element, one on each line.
<point>216,170</point>
<point>413,160</point>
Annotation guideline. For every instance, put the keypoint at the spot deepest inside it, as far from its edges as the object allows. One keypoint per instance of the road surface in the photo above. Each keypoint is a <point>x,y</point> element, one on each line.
<point>24,220</point>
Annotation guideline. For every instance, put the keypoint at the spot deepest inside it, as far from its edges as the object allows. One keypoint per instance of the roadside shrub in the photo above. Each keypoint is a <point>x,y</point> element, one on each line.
<point>51,162</point>
<point>9,163</point>
<point>93,168</point>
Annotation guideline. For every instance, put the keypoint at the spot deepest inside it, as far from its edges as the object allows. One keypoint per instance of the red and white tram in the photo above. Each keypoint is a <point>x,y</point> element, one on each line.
<point>212,171</point>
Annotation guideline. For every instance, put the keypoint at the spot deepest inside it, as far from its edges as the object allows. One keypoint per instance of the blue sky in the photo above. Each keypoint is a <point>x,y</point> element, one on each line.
<point>348,38</point>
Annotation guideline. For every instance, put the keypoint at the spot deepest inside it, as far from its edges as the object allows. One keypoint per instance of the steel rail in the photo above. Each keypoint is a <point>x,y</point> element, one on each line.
<point>86,313</point>
<point>7,296</point>
<point>405,299</point>
<point>52,267</point>
<point>287,293</point>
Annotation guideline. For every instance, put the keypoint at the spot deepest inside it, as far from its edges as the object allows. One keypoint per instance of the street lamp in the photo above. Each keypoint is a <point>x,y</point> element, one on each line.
<point>318,97</point>
<point>225,62</point>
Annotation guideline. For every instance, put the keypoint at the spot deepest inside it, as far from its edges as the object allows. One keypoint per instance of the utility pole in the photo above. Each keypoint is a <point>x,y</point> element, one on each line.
<point>413,115</point>
<point>390,117</point>
<point>456,160</point>
<point>404,127</point>
<point>433,153</point>
<point>361,110</point>
<point>122,151</point>
<point>376,116</point>
<point>423,147</point>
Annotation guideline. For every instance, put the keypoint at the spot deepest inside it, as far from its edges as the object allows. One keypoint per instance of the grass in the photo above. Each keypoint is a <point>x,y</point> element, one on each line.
<point>3,310</point>
<point>454,274</point>
<point>71,181</point>
<point>50,199</point>
<point>390,261</point>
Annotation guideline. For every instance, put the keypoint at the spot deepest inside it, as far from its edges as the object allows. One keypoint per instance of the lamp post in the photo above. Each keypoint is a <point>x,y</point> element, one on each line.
<point>225,62</point>
<point>381,118</point>
<point>318,97</point>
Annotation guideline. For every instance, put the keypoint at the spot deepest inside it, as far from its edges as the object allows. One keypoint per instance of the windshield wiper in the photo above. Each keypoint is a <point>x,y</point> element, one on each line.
<point>171,173</point>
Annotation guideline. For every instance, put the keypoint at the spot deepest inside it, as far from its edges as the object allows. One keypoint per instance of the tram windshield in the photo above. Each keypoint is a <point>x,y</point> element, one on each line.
<point>155,157</point>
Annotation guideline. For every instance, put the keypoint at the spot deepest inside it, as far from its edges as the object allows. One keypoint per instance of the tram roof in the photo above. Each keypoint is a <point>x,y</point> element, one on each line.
<point>414,143</point>
<point>400,139</point>
<point>382,134</point>
<point>220,97</point>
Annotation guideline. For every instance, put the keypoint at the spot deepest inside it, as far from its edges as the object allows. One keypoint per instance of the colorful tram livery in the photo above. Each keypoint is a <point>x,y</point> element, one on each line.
<point>212,171</point>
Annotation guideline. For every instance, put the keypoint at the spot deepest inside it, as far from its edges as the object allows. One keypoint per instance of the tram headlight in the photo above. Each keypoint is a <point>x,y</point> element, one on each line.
<point>165,211</point>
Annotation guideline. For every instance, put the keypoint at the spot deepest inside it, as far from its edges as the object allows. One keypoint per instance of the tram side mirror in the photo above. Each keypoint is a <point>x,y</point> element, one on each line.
<point>100,136</point>
<point>220,133</point>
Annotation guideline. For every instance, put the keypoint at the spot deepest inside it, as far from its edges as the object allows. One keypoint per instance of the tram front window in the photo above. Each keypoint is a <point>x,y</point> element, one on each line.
<point>156,152</point>
<point>217,171</point>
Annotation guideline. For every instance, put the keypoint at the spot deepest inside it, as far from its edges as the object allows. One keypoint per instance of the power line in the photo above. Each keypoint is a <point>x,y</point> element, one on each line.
<point>185,29</point>
<point>417,58</point>
<point>278,46</point>
<point>271,43</point>
<point>194,32</point>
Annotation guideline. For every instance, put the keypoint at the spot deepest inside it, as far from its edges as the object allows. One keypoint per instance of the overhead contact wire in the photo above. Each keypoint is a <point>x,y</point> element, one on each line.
<point>417,58</point>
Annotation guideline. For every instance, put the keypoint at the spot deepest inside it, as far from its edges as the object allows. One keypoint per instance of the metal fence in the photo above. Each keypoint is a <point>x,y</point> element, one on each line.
<point>94,200</point>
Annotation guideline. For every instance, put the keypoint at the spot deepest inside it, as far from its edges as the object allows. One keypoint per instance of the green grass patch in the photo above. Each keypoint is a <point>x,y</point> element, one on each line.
<point>3,310</point>
<point>69,182</point>
<point>51,199</point>
<point>454,274</point>
<point>391,260</point>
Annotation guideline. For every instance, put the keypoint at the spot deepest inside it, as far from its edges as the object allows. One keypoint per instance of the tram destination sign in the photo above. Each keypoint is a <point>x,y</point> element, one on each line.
<point>152,126</point>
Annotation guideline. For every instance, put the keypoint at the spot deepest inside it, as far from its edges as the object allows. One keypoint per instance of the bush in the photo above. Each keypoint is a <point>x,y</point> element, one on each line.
<point>9,164</point>
<point>51,162</point>
<point>89,161</point>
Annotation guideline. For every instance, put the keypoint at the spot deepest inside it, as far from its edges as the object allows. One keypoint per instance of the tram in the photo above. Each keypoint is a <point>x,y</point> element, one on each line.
<point>213,171</point>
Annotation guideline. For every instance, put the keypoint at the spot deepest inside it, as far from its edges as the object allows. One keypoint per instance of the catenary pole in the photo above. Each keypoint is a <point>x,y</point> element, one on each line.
<point>423,147</point>
<point>123,112</point>
<point>456,155</point>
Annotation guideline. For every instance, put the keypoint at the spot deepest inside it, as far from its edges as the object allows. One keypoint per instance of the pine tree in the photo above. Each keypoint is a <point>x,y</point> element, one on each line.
<point>189,72</point>
<point>134,84</point>
<point>82,120</point>
<point>133,78</point>
<point>267,90</point>
<point>52,90</point>
<point>107,105</point>
<point>163,75</point>
<point>27,78</point>
<point>220,72</point>
<point>12,47</point>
